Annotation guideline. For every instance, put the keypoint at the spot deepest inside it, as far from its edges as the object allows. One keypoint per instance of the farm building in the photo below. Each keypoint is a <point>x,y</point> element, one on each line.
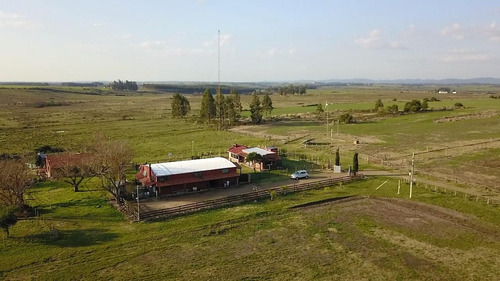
<point>188,176</point>
<point>270,157</point>
<point>55,163</point>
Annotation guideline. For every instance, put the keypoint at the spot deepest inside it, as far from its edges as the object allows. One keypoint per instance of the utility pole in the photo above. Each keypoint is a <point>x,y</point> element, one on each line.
<point>326,106</point>
<point>412,172</point>
<point>138,205</point>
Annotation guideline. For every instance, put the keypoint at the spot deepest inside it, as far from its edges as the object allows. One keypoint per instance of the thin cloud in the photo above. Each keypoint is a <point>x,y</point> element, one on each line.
<point>370,41</point>
<point>374,40</point>
<point>163,48</point>
<point>464,55</point>
<point>99,24</point>
<point>224,38</point>
<point>14,21</point>
<point>454,31</point>
<point>492,32</point>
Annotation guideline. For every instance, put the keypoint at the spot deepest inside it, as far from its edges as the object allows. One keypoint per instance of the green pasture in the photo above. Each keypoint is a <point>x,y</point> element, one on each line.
<point>80,236</point>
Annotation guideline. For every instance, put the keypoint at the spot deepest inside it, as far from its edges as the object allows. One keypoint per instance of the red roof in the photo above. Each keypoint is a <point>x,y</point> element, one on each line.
<point>58,161</point>
<point>236,149</point>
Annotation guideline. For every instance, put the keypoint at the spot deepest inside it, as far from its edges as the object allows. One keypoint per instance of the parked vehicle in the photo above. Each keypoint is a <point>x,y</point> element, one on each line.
<point>301,174</point>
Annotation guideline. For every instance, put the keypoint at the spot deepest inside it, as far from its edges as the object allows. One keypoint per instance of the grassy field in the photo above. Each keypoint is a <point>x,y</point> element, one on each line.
<point>434,236</point>
<point>80,236</point>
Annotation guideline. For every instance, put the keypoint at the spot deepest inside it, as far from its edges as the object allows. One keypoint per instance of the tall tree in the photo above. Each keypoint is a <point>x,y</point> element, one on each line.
<point>233,107</point>
<point>302,89</point>
<point>220,109</point>
<point>7,218</point>
<point>255,109</point>
<point>337,158</point>
<point>112,160</point>
<point>355,163</point>
<point>319,110</point>
<point>378,104</point>
<point>207,111</point>
<point>15,179</point>
<point>267,104</point>
<point>180,105</point>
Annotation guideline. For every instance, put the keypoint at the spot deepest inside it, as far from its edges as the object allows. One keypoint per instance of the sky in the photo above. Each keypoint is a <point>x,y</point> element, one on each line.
<point>260,40</point>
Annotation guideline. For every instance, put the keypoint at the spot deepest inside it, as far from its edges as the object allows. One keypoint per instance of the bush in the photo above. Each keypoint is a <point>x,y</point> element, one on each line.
<point>458,105</point>
<point>346,118</point>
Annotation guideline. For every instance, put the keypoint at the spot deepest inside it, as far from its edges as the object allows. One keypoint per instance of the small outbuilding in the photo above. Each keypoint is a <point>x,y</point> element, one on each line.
<point>270,157</point>
<point>188,176</point>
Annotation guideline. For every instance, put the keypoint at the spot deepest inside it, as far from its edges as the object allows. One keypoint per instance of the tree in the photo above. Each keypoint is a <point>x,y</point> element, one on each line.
<point>207,111</point>
<point>255,109</point>
<point>355,164</point>
<point>253,157</point>
<point>15,179</point>
<point>180,105</point>
<point>7,218</point>
<point>112,160</point>
<point>392,109</point>
<point>346,118</point>
<point>413,106</point>
<point>319,110</point>
<point>74,168</point>
<point>220,108</point>
<point>127,86</point>
<point>337,157</point>
<point>378,104</point>
<point>425,105</point>
<point>267,104</point>
<point>302,89</point>
<point>233,107</point>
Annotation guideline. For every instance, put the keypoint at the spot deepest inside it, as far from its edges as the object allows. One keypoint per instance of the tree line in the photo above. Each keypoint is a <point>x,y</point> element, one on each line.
<point>124,86</point>
<point>223,110</point>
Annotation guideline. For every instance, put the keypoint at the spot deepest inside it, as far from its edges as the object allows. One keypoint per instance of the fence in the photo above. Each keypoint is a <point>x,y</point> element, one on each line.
<point>473,197</point>
<point>235,199</point>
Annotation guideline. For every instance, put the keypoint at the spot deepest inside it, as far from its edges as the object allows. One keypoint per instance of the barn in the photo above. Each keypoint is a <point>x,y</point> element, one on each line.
<point>188,176</point>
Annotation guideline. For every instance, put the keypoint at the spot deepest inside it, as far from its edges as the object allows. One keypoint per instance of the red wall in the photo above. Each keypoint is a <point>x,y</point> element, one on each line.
<point>186,182</point>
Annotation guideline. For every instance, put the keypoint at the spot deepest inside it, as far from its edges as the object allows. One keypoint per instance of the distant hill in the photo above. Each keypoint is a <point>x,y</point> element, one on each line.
<point>453,81</point>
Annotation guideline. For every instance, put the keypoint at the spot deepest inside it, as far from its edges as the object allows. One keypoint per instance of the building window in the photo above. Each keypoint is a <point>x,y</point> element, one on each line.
<point>163,179</point>
<point>225,171</point>
<point>198,174</point>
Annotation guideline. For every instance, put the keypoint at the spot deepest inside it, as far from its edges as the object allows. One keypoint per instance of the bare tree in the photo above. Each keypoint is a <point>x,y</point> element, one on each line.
<point>112,160</point>
<point>15,179</point>
<point>73,169</point>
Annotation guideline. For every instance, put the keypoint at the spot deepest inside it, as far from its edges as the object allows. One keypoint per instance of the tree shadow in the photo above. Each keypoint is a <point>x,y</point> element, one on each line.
<point>74,238</point>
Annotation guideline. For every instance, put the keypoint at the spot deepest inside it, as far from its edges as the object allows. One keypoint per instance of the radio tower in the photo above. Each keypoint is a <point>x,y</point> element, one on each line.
<point>221,115</point>
<point>218,61</point>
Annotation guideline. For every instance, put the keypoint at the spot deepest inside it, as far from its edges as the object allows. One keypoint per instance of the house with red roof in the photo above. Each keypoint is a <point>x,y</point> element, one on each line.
<point>53,163</point>
<point>270,157</point>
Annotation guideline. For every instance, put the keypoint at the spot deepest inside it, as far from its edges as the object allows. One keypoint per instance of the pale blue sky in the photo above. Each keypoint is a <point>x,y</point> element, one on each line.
<point>64,40</point>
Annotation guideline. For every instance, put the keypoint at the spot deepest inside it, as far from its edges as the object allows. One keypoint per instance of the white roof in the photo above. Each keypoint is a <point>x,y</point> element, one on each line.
<point>258,151</point>
<point>191,166</point>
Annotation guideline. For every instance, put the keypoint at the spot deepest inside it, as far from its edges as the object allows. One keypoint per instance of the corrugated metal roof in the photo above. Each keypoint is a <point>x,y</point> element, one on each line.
<point>191,166</point>
<point>258,151</point>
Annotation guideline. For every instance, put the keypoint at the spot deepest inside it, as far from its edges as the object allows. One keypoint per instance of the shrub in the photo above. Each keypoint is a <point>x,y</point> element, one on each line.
<point>346,118</point>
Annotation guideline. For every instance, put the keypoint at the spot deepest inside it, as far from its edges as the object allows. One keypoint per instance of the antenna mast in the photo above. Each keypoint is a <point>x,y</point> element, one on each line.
<point>221,116</point>
<point>218,60</point>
